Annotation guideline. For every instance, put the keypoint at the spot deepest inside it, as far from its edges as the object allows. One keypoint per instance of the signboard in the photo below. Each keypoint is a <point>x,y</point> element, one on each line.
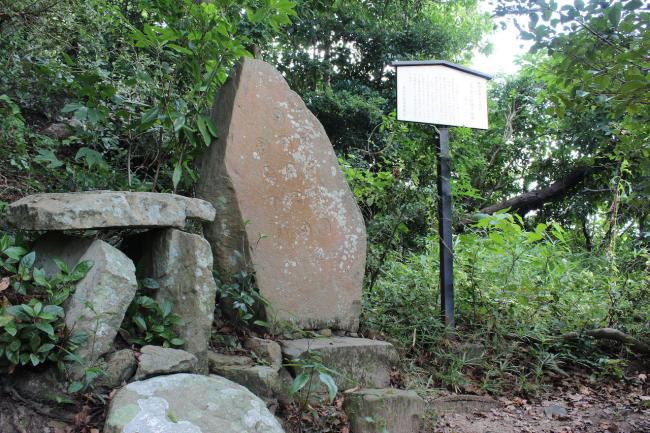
<point>441,93</point>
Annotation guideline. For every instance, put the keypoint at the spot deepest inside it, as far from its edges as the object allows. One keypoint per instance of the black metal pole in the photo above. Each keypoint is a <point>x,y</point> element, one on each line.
<point>444,230</point>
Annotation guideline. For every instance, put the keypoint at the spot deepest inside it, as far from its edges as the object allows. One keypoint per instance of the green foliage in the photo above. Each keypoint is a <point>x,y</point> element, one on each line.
<point>149,322</point>
<point>335,55</point>
<point>32,327</point>
<point>242,300</point>
<point>516,290</point>
<point>593,72</point>
<point>133,81</point>
<point>311,365</point>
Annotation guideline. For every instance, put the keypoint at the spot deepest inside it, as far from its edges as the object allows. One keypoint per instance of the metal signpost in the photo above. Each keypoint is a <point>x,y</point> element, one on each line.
<point>443,94</point>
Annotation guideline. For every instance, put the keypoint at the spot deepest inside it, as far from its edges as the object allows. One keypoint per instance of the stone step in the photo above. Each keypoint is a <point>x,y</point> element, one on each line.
<point>359,362</point>
<point>384,410</point>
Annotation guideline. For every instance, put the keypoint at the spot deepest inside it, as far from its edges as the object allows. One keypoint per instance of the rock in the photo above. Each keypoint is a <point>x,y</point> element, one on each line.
<point>102,209</point>
<point>59,131</point>
<point>43,386</point>
<point>120,367</point>
<point>384,410</point>
<point>217,360</point>
<point>156,360</point>
<point>285,208</point>
<point>267,350</point>
<point>555,411</point>
<point>187,403</point>
<point>268,382</point>
<point>100,300</point>
<point>359,361</point>
<point>181,263</point>
<point>325,332</point>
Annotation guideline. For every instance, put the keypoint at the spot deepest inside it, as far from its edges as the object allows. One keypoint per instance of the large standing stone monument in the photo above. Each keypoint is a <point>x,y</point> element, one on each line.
<point>284,208</point>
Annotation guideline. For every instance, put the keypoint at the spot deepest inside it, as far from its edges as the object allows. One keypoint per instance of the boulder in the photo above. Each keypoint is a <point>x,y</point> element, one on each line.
<point>156,360</point>
<point>285,209</point>
<point>120,367</point>
<point>103,209</point>
<point>265,350</point>
<point>181,263</point>
<point>384,410</point>
<point>187,403</point>
<point>100,300</point>
<point>359,362</point>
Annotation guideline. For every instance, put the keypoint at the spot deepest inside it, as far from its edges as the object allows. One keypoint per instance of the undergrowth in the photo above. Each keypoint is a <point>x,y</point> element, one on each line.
<point>519,293</point>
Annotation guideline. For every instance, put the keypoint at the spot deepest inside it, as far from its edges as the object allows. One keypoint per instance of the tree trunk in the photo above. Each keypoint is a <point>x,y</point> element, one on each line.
<point>537,198</point>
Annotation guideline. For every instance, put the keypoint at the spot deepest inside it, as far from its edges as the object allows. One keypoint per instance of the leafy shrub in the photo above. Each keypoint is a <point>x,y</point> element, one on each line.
<point>133,80</point>
<point>242,300</point>
<point>32,327</point>
<point>150,322</point>
<point>517,290</point>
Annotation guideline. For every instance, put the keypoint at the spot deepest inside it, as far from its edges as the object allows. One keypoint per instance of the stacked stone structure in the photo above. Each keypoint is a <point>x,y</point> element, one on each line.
<point>274,203</point>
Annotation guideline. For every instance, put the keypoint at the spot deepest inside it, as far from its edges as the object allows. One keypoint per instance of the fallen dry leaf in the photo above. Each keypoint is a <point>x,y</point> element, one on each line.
<point>4,283</point>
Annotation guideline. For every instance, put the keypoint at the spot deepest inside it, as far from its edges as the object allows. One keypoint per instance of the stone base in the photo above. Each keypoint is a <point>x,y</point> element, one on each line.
<point>358,361</point>
<point>270,382</point>
<point>382,410</point>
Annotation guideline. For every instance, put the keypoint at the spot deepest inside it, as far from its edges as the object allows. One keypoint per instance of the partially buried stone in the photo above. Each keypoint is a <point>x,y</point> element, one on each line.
<point>120,367</point>
<point>285,208</point>
<point>187,403</point>
<point>384,410</point>
<point>155,360</point>
<point>105,209</point>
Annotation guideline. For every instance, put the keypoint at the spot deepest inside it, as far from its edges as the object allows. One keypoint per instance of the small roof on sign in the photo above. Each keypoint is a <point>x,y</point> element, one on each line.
<point>399,63</point>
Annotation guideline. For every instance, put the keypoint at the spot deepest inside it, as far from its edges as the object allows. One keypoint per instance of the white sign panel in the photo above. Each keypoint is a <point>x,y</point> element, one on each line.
<point>441,95</point>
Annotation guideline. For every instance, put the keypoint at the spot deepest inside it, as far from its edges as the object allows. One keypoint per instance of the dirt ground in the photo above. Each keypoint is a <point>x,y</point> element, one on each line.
<point>574,406</point>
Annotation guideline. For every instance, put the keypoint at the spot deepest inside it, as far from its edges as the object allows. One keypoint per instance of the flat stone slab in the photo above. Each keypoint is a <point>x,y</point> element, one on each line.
<point>359,361</point>
<point>188,403</point>
<point>285,208</point>
<point>106,209</point>
<point>384,410</point>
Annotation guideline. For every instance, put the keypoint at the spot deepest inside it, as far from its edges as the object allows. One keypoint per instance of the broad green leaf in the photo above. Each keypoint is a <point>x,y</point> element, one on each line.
<point>176,176</point>
<point>177,341</point>
<point>81,270</point>
<point>139,321</point>
<point>15,253</point>
<point>203,129</point>
<point>179,122</point>
<point>91,157</point>
<point>150,116</point>
<point>75,387</point>
<point>45,327</point>
<point>299,382</point>
<point>47,158</point>
<point>332,389</point>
